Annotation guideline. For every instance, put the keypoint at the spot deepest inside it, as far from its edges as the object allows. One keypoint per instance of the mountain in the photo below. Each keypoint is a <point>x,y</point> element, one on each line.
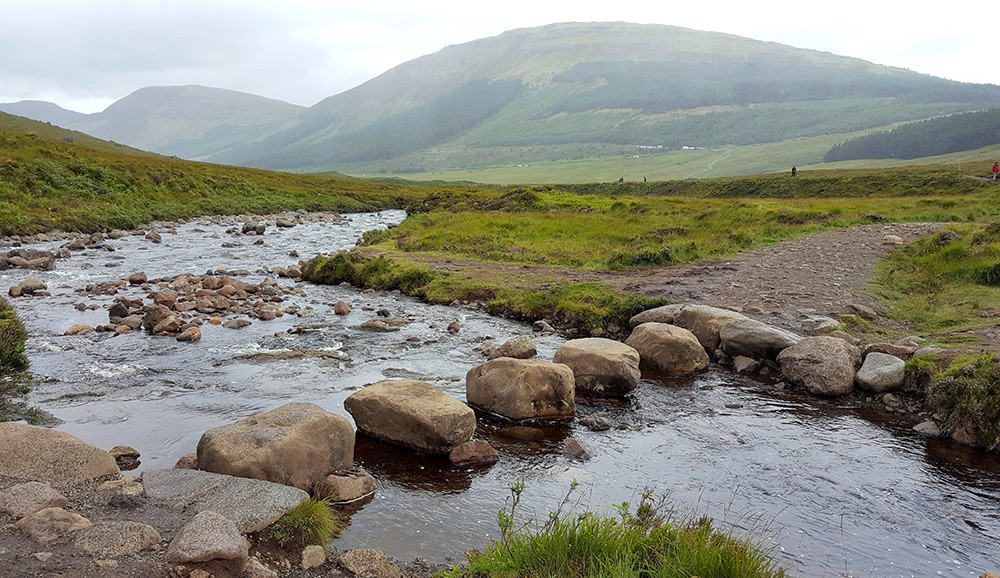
<point>584,89</point>
<point>42,111</point>
<point>188,121</point>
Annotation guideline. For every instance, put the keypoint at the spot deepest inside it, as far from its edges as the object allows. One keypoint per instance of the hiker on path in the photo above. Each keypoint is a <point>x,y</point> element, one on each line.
<point>794,171</point>
<point>996,169</point>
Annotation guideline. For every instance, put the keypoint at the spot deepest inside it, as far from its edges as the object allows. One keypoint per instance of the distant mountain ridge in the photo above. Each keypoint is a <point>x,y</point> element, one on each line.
<point>560,91</point>
<point>42,111</point>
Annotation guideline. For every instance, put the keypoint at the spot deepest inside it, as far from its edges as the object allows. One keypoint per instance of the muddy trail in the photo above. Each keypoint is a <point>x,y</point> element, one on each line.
<point>823,273</point>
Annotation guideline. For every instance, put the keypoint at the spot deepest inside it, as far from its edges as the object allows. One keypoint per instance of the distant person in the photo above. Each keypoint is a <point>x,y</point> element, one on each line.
<point>794,171</point>
<point>644,179</point>
<point>996,170</point>
<point>621,179</point>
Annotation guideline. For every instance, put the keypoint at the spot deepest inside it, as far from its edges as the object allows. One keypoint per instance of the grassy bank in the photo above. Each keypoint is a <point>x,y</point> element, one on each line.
<point>14,378</point>
<point>641,543</point>
<point>619,226</point>
<point>579,305</point>
<point>52,178</point>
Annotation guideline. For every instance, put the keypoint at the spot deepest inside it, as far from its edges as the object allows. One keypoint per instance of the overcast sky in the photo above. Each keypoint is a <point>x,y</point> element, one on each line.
<point>84,55</point>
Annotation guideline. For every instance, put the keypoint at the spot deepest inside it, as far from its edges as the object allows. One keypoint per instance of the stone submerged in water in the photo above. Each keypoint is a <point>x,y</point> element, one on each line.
<point>477,452</point>
<point>520,347</point>
<point>522,389</point>
<point>346,486</point>
<point>413,414</point>
<point>601,367</point>
<point>823,365</point>
<point>668,349</point>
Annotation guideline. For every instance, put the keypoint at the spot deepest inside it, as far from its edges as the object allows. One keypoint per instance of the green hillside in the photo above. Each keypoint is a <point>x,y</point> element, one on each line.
<point>54,178</point>
<point>591,89</point>
<point>188,121</point>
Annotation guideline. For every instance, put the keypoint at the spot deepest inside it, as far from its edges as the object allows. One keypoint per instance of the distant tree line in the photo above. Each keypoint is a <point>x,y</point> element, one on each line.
<point>936,136</point>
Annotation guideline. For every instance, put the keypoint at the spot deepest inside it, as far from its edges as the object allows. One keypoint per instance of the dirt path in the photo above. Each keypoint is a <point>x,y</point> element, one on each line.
<point>823,273</point>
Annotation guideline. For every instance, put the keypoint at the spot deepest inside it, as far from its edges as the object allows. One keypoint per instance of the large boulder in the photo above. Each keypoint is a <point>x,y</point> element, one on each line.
<point>881,372</point>
<point>522,389</point>
<point>667,349</point>
<point>742,336</point>
<point>29,452</point>
<point>296,444</point>
<point>662,314</point>
<point>705,322</point>
<point>251,504</point>
<point>823,365</point>
<point>412,413</point>
<point>600,366</point>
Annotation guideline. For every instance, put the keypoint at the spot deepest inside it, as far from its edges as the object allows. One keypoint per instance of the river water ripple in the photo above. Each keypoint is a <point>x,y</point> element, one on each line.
<point>834,490</point>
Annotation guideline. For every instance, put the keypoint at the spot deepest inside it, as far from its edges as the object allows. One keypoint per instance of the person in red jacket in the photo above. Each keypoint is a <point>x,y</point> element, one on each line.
<point>996,170</point>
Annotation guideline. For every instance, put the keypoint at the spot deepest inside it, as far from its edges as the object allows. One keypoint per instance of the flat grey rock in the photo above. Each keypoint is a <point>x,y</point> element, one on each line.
<point>252,504</point>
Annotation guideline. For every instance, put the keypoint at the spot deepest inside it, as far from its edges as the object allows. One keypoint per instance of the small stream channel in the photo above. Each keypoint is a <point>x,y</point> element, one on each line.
<point>835,490</point>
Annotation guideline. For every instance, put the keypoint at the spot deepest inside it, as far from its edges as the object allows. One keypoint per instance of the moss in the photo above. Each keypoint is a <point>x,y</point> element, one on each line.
<point>12,337</point>
<point>968,392</point>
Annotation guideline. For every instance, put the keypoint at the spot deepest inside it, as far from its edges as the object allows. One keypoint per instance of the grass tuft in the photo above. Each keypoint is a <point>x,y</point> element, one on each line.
<point>645,542</point>
<point>310,522</point>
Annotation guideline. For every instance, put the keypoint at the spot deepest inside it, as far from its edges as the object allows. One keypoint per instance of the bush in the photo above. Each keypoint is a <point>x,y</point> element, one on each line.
<point>12,337</point>
<point>968,391</point>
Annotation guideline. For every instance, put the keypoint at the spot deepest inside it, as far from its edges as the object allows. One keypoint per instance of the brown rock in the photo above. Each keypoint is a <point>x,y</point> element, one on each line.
<point>167,298</point>
<point>24,499</point>
<point>137,278</point>
<point>574,449</point>
<point>454,327</point>
<point>664,314</point>
<point>341,308</point>
<point>126,457</point>
<point>117,538</point>
<point>520,347</point>
<point>345,486</point>
<point>296,444</point>
<point>823,365</point>
<point>705,322</point>
<point>474,453</point>
<point>187,461</point>
<point>313,556</point>
<point>600,366</point>
<point>169,325</point>
<point>206,538</point>
<point>413,414</point>
<point>50,523</point>
<point>154,315</point>
<point>79,329</point>
<point>668,349</point>
<point>153,236</point>
<point>30,452</point>
<point>522,389</point>
<point>367,563</point>
<point>190,334</point>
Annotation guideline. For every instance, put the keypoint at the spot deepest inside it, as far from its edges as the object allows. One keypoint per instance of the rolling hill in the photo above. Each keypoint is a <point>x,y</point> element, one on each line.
<point>552,94</point>
<point>581,90</point>
<point>42,111</point>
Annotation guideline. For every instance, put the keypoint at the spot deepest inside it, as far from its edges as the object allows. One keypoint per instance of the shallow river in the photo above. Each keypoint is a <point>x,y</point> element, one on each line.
<point>834,491</point>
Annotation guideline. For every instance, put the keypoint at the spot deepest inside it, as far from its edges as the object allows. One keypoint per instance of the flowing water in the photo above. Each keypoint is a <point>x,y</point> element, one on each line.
<point>836,491</point>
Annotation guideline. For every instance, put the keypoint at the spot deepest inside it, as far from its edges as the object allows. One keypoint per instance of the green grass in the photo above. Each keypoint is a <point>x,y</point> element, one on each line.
<point>51,178</point>
<point>581,305</point>
<point>968,392</point>
<point>311,522</point>
<point>644,543</point>
<point>613,226</point>
<point>942,283</point>
<point>15,381</point>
